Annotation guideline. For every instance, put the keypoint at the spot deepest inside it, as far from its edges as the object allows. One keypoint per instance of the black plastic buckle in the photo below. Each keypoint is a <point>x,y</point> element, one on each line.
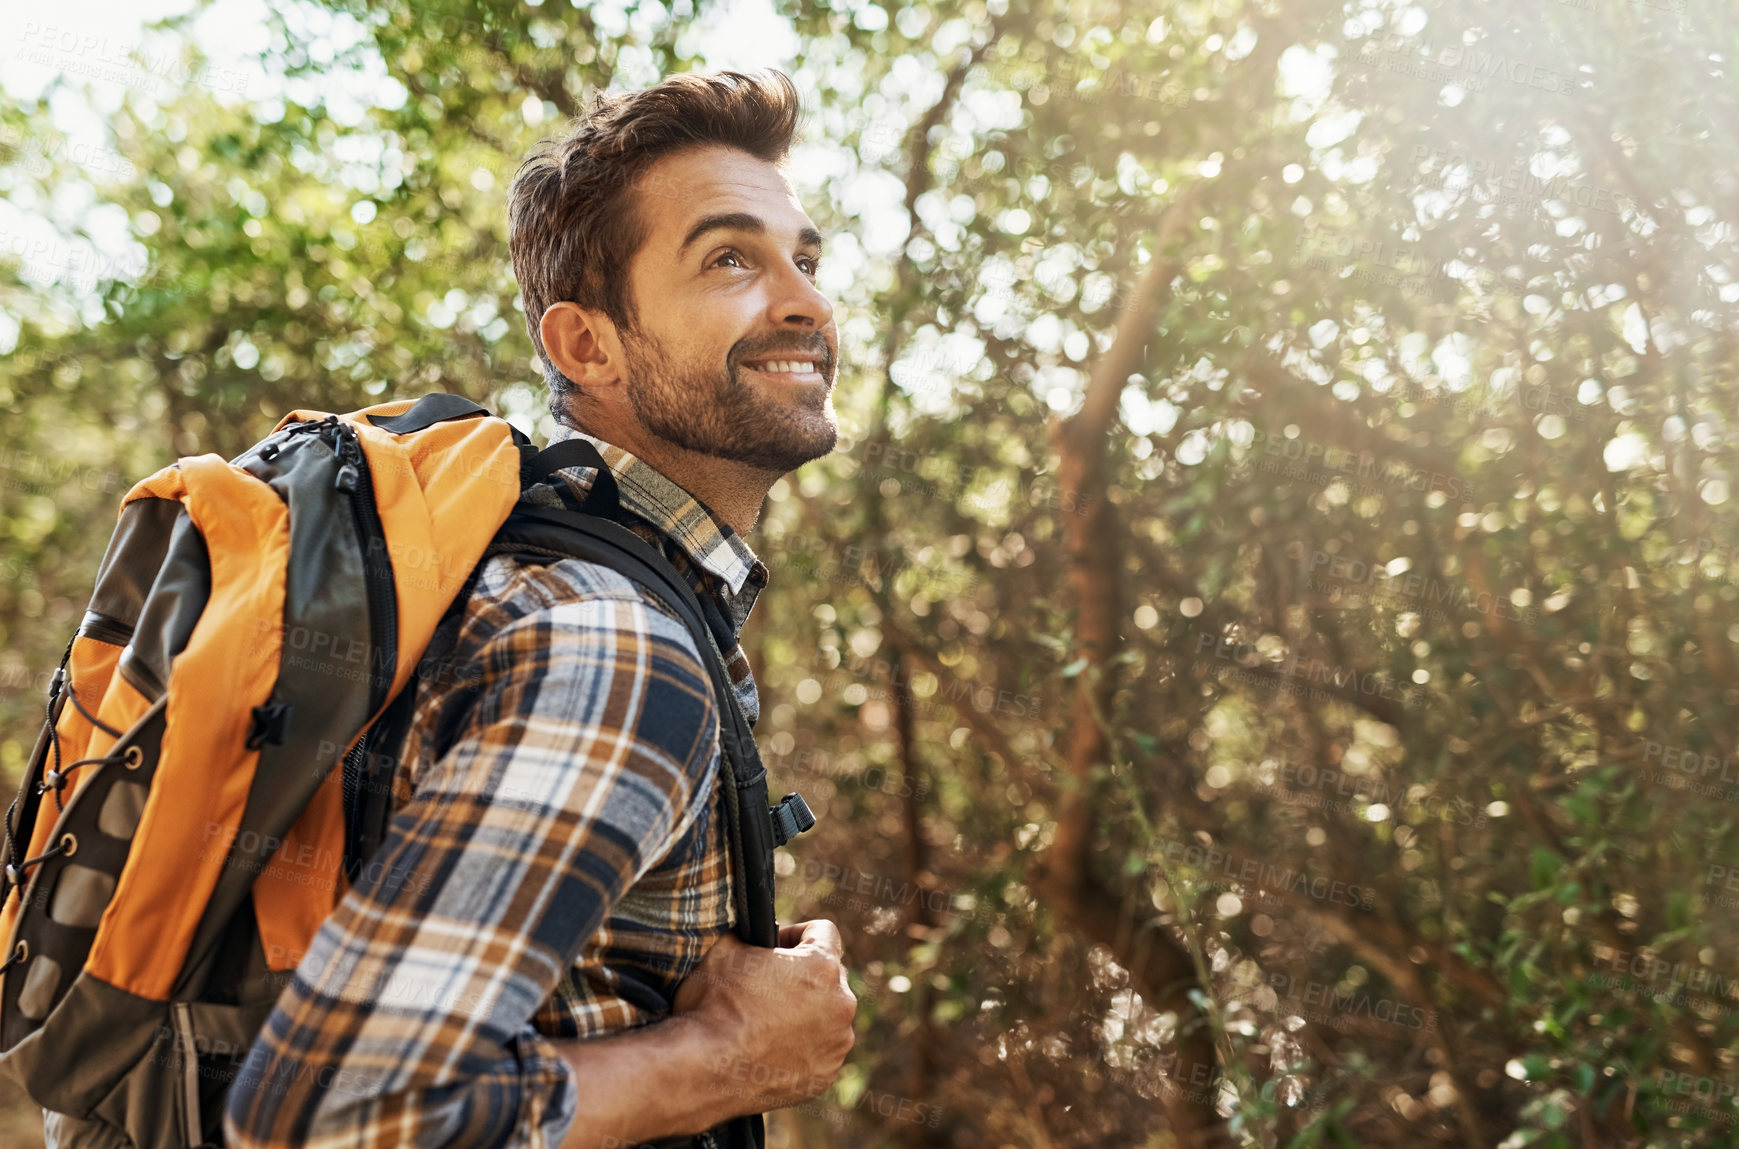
<point>271,725</point>
<point>791,817</point>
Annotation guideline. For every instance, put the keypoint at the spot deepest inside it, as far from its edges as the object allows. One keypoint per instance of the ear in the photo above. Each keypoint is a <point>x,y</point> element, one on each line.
<point>582,344</point>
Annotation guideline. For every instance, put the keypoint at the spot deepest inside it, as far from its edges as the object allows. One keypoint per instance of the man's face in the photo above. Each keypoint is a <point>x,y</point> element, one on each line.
<point>725,290</point>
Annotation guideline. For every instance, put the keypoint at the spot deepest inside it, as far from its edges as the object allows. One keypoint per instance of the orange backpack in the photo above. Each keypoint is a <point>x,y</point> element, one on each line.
<point>180,832</point>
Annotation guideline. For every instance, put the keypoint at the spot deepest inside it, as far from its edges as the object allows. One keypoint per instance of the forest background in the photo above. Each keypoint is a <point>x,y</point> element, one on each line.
<point>1264,651</point>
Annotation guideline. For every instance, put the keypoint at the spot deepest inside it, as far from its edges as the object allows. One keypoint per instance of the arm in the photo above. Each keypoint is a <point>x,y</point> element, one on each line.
<point>584,752</point>
<point>752,1030</point>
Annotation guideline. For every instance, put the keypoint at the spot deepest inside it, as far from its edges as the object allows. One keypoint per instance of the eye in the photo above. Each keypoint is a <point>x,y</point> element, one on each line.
<point>729,253</point>
<point>814,262</point>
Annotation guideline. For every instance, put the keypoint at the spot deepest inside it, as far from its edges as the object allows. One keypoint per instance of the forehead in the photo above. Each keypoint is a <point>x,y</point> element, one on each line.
<point>678,190</point>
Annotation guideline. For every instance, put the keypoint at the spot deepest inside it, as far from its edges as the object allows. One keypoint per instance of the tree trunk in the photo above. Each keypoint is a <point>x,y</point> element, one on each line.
<point>1162,969</point>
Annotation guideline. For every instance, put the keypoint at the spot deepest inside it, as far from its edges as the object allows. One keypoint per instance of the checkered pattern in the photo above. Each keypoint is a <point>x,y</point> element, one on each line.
<point>558,813</point>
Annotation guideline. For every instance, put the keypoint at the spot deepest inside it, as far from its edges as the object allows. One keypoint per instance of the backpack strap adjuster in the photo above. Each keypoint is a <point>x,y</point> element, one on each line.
<point>271,725</point>
<point>791,817</point>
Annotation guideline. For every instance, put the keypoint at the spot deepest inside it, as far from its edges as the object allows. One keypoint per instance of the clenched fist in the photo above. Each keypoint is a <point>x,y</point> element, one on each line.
<point>783,1016</point>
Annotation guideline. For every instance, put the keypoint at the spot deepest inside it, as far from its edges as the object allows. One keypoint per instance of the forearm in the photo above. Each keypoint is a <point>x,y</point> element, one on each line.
<point>660,1080</point>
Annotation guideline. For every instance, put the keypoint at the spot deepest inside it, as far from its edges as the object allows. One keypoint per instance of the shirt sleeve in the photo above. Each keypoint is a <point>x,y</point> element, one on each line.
<point>587,751</point>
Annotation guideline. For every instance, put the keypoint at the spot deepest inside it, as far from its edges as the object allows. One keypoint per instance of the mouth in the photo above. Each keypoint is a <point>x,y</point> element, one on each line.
<point>792,368</point>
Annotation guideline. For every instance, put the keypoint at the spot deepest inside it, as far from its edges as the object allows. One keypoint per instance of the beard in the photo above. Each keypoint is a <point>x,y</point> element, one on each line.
<point>720,414</point>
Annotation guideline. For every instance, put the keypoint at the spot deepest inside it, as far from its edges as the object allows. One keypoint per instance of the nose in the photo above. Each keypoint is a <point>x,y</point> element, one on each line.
<point>796,301</point>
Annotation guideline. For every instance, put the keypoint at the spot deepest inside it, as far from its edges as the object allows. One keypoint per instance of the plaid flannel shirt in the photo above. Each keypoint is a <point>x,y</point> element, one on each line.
<point>558,807</point>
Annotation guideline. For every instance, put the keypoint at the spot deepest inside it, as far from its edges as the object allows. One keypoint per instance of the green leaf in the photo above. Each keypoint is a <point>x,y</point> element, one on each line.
<point>1543,867</point>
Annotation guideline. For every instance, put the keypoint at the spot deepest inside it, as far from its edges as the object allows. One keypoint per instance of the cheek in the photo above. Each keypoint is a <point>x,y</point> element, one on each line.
<point>702,332</point>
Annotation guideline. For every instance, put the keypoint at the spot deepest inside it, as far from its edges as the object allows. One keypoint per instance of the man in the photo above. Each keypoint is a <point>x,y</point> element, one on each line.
<point>562,971</point>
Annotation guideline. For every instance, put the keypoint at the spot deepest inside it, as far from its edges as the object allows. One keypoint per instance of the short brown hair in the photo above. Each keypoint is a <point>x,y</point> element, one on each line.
<point>572,227</point>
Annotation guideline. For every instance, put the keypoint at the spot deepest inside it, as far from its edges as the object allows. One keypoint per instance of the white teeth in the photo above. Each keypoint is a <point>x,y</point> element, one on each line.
<point>789,365</point>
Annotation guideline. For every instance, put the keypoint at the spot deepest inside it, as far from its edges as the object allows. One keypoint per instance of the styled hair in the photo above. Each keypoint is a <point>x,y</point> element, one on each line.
<point>572,219</point>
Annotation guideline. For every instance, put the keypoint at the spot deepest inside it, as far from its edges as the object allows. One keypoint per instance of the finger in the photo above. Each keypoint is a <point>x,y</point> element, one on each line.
<point>823,935</point>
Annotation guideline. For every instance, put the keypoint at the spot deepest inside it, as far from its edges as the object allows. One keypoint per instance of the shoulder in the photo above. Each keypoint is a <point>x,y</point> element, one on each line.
<point>572,598</point>
<point>567,681</point>
<point>578,641</point>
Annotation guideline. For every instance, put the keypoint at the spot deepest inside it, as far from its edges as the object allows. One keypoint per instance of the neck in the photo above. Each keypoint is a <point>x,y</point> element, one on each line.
<point>734,492</point>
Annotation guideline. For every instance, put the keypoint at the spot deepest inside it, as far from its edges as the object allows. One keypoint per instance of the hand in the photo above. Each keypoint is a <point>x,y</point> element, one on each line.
<point>782,1017</point>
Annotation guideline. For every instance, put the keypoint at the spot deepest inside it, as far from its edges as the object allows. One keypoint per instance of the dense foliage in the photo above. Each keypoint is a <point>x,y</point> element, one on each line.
<point>1265,650</point>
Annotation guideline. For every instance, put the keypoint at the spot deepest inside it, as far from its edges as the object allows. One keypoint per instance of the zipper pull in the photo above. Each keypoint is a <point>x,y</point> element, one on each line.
<point>349,453</point>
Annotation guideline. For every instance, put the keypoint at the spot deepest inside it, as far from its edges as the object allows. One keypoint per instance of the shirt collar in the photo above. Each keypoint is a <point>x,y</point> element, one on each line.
<point>649,493</point>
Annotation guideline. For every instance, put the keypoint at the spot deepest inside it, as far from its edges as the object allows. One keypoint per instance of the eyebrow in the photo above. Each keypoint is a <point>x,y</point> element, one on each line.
<point>743,221</point>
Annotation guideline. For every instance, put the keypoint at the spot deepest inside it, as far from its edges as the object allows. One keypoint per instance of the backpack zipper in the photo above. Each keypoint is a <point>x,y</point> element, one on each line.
<point>191,1124</point>
<point>354,480</point>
